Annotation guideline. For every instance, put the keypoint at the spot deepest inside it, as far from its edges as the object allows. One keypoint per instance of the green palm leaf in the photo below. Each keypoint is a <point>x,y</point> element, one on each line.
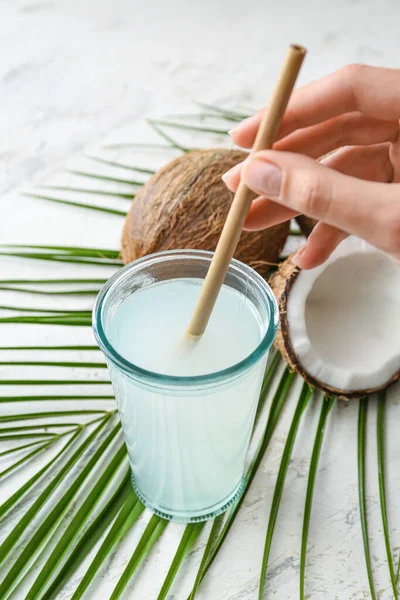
<point>6,288</point>
<point>127,517</point>
<point>326,406</point>
<point>174,144</point>
<point>149,538</point>
<point>38,539</point>
<point>83,190</point>
<point>104,209</point>
<point>25,459</point>
<point>231,115</point>
<point>130,182</point>
<point>52,363</point>
<point>90,537</point>
<point>20,448</point>
<point>58,398</point>
<point>361,455</point>
<point>77,523</point>
<point>280,482</point>
<point>212,538</point>
<point>380,433</point>
<point>52,382</point>
<point>189,538</point>
<point>70,250</point>
<point>189,127</point>
<point>113,163</point>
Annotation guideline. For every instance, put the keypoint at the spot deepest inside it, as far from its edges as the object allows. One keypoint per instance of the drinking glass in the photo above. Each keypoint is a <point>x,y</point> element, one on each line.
<point>187,437</point>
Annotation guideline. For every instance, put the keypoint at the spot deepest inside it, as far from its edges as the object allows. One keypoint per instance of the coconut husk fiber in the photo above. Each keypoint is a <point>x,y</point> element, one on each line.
<point>184,206</point>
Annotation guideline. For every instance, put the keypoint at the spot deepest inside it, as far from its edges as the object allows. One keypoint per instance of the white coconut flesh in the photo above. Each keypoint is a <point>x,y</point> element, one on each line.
<point>344,318</point>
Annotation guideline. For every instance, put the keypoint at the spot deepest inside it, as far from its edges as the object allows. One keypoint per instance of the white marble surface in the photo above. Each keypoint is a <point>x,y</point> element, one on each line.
<point>73,73</point>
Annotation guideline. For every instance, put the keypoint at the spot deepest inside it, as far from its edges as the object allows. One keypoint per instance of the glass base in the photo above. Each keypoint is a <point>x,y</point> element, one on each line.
<point>190,516</point>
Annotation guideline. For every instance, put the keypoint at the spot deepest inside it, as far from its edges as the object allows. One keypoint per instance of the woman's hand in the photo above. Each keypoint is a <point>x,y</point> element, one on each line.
<point>348,192</point>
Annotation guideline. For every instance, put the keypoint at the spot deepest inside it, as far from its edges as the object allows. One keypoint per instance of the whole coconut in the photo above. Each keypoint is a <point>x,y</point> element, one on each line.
<point>185,204</point>
<point>306,224</point>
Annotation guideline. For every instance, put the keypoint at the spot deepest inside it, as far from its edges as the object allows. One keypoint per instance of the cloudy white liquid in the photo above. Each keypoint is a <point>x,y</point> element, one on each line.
<point>187,447</point>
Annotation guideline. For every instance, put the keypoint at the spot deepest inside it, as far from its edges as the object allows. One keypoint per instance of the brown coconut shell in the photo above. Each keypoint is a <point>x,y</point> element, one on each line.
<point>185,204</point>
<point>281,283</point>
<point>306,224</point>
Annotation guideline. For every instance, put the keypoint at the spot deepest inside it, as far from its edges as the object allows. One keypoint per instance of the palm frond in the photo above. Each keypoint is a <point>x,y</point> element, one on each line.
<point>128,514</point>
<point>38,539</point>
<point>140,145</point>
<point>20,448</point>
<point>24,459</point>
<point>266,384</point>
<point>104,209</point>
<point>187,126</point>
<point>114,163</point>
<point>87,174</point>
<point>57,397</point>
<point>6,288</point>
<point>82,190</point>
<point>67,258</point>
<point>149,538</point>
<point>50,281</point>
<point>52,363</point>
<point>47,348</point>
<point>326,407</point>
<point>66,320</point>
<point>70,250</point>
<point>229,114</point>
<point>189,538</point>
<point>78,522</point>
<point>280,482</point>
<point>53,382</point>
<point>380,438</point>
<point>45,415</point>
<point>361,455</point>
<point>90,537</point>
<point>174,144</point>
<point>212,538</point>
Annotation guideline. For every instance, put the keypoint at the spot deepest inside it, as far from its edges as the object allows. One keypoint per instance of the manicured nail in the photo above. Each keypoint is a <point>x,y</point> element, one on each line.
<point>238,127</point>
<point>226,177</point>
<point>263,177</point>
<point>295,258</point>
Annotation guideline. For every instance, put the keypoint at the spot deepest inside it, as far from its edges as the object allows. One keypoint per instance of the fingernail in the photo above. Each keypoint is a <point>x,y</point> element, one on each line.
<point>238,127</point>
<point>263,177</point>
<point>231,173</point>
<point>295,258</point>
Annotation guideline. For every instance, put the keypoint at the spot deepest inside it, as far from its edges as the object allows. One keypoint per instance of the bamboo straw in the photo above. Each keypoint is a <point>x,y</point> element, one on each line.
<point>266,136</point>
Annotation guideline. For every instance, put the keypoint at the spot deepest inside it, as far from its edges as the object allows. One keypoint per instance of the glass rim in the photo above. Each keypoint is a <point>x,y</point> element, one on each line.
<point>154,378</point>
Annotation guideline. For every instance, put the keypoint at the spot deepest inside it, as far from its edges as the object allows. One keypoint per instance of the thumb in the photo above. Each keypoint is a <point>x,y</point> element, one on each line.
<point>367,209</point>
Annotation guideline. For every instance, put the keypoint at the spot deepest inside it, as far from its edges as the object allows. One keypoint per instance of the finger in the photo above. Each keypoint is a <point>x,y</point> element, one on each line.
<point>367,209</point>
<point>264,213</point>
<point>232,177</point>
<point>371,163</point>
<point>371,91</point>
<point>350,129</point>
<point>321,243</point>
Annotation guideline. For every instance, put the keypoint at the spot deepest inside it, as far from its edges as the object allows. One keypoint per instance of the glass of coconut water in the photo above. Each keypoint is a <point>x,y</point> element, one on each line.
<point>186,408</point>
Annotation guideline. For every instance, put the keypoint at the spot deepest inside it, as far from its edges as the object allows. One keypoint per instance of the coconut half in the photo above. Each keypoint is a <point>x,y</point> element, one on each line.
<point>340,322</point>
